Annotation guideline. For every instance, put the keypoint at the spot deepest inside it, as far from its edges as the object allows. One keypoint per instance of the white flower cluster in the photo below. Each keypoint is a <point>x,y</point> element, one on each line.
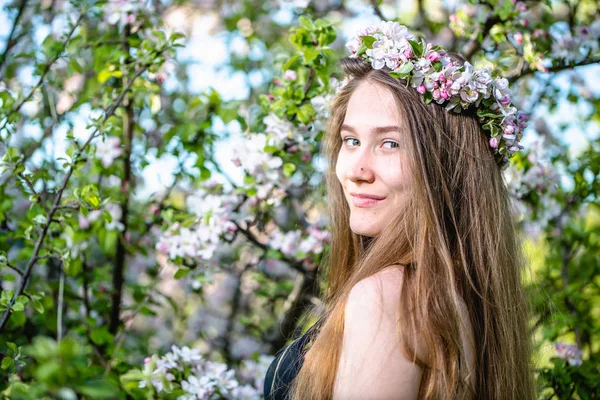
<point>292,243</point>
<point>280,131</point>
<point>253,372</point>
<point>264,167</point>
<point>199,378</point>
<point>202,239</point>
<point>575,48</point>
<point>121,12</point>
<point>436,76</point>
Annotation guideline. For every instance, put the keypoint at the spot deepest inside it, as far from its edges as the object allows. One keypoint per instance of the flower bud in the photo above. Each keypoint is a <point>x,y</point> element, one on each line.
<point>494,142</point>
<point>518,38</point>
<point>433,56</point>
<point>290,75</point>
<point>422,89</point>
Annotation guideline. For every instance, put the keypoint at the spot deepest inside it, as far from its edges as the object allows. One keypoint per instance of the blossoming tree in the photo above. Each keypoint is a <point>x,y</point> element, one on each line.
<point>140,256</point>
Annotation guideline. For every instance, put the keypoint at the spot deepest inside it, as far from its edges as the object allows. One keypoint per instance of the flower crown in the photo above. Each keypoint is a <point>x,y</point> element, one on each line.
<point>437,77</point>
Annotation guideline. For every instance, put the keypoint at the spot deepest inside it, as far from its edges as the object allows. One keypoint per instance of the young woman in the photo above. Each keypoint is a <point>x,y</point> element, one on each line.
<point>424,296</point>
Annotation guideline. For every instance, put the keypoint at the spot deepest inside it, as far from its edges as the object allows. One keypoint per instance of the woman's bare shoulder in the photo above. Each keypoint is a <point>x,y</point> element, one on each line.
<point>372,364</point>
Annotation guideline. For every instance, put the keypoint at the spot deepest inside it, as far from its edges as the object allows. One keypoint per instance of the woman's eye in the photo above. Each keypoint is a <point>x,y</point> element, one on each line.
<point>391,145</point>
<point>350,141</point>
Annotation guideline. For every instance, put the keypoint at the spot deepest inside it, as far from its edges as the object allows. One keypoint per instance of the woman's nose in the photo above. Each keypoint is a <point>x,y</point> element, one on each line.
<point>361,170</point>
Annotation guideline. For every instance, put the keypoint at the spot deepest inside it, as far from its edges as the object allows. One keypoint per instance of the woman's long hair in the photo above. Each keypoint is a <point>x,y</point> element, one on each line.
<point>456,239</point>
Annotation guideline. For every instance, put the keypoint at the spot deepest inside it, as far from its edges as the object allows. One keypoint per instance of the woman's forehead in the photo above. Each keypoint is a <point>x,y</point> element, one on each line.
<point>372,105</point>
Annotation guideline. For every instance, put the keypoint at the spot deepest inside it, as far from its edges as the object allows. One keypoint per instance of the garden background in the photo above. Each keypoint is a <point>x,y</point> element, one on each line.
<point>161,199</point>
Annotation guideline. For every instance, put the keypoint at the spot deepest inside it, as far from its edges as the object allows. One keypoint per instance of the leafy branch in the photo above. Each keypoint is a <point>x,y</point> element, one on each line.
<point>47,67</point>
<point>56,205</point>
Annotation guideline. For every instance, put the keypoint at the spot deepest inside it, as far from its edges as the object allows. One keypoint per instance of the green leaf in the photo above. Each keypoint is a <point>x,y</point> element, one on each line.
<point>368,41</point>
<point>289,169</point>
<point>75,66</point>
<point>305,113</point>
<point>99,389</point>
<point>100,335</point>
<point>417,48</point>
<point>107,73</point>
<point>289,63</point>
<point>310,54</point>
<point>306,22</point>
<point>7,363</point>
<point>406,68</point>
<point>182,272</point>
<point>37,305</point>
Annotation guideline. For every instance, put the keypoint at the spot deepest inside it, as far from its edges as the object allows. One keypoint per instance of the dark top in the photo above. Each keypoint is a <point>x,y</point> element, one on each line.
<point>285,367</point>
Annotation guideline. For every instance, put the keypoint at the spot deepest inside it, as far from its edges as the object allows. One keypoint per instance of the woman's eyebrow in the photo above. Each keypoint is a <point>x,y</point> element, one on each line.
<point>378,130</point>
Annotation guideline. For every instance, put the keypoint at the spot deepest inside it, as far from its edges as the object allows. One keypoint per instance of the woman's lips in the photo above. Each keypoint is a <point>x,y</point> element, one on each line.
<point>364,202</point>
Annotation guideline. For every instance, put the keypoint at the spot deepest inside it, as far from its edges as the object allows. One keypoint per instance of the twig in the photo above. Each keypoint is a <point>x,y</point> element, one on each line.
<point>10,41</point>
<point>246,232</point>
<point>57,199</point>
<point>33,191</point>
<point>44,73</point>
<point>528,70</point>
<point>16,269</point>
<point>377,10</point>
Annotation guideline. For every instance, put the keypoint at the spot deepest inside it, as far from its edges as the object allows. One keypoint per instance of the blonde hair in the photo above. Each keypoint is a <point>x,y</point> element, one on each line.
<point>455,238</point>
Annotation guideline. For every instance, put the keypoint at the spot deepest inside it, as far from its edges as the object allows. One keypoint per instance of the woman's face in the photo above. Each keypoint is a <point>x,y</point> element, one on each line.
<point>373,162</point>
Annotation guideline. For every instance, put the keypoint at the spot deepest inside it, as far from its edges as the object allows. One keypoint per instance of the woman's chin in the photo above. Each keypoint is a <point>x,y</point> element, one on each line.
<point>365,229</point>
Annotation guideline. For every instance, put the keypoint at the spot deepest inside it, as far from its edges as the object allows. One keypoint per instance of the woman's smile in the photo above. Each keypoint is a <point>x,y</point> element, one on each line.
<point>366,200</point>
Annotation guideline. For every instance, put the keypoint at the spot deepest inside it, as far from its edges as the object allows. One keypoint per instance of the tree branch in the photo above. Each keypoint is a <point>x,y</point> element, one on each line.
<point>44,73</point>
<point>377,10</point>
<point>528,70</point>
<point>10,41</point>
<point>119,268</point>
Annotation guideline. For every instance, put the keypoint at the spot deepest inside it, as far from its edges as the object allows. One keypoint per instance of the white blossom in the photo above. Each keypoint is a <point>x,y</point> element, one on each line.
<point>108,150</point>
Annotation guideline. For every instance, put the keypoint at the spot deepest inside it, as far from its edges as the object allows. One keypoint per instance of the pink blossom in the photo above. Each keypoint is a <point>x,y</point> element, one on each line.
<point>422,89</point>
<point>569,352</point>
<point>408,53</point>
<point>290,75</point>
<point>521,7</point>
<point>453,18</point>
